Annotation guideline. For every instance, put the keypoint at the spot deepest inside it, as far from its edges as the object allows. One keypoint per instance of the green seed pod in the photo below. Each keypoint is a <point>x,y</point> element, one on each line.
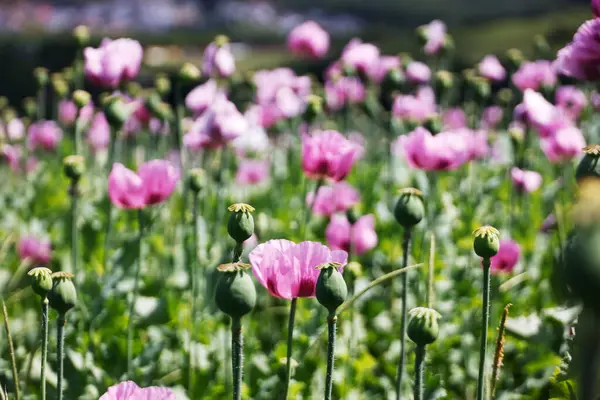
<point>235,293</point>
<point>116,111</point>
<point>63,295</point>
<point>41,281</point>
<point>81,98</point>
<point>81,34</point>
<point>60,87</point>
<point>504,96</point>
<point>515,56</point>
<point>423,327</point>
<point>541,46</point>
<point>152,101</point>
<point>314,109</point>
<point>30,107</point>
<point>74,167</point>
<point>162,84</point>
<point>589,166</point>
<point>189,72</point>
<point>409,210</point>
<point>486,242</point>
<point>68,74</point>
<point>197,179</point>
<point>449,45</point>
<point>445,79</point>
<point>482,88</point>
<point>41,76</point>
<point>241,224</point>
<point>331,288</point>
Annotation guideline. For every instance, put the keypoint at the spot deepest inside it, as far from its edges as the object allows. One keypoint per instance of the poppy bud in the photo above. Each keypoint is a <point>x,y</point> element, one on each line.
<point>74,167</point>
<point>81,98</point>
<point>41,76</point>
<point>241,224</point>
<point>63,295</point>
<point>197,179</point>
<point>589,165</point>
<point>162,84</point>
<point>331,289</point>
<point>486,242</point>
<point>423,328</point>
<point>235,292</point>
<point>409,210</point>
<point>81,34</point>
<point>116,111</point>
<point>189,72</point>
<point>41,281</point>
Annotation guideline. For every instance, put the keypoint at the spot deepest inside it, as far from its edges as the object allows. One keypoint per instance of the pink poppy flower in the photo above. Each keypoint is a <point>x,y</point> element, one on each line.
<point>564,144</point>
<point>572,100</point>
<point>44,135</point>
<point>130,391</point>
<point>201,97</point>
<point>114,62</point>
<point>218,61</point>
<point>454,118</point>
<point>252,172</point>
<point>98,135</point>
<point>35,249</point>
<point>418,72</point>
<point>549,224</point>
<point>435,36</point>
<point>507,257</point>
<point>363,57</point>
<point>15,129</point>
<point>287,270</point>
<point>491,117</point>
<point>361,236</point>
<point>535,75</point>
<point>67,112</point>
<point>385,65</point>
<point>525,181</point>
<point>328,154</point>
<point>344,91</point>
<point>416,108</point>
<point>12,155</point>
<point>595,100</point>
<point>490,68</point>
<point>545,117</point>
<point>308,39</point>
<point>333,199</point>
<point>596,8</point>
<point>154,183</point>
<point>580,58</point>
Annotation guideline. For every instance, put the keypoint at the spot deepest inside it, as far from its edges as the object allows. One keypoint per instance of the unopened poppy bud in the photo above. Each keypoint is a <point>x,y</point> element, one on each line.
<point>449,45</point>
<point>134,89</point>
<point>68,74</point>
<point>235,293</point>
<point>41,281</point>
<point>152,102</point>
<point>314,108</point>
<point>331,289</point>
<point>197,179</point>
<point>504,96</point>
<point>74,167</point>
<point>445,79</point>
<point>423,327</point>
<point>8,114</point>
<point>409,210</point>
<point>189,72</point>
<point>486,242</point>
<point>41,76</point>
<point>60,86</point>
<point>515,57</point>
<point>81,34</point>
<point>30,107</point>
<point>162,84</point>
<point>241,224</point>
<point>482,88</point>
<point>81,98</point>
<point>589,166</point>
<point>116,111</point>
<point>541,45</point>
<point>63,295</point>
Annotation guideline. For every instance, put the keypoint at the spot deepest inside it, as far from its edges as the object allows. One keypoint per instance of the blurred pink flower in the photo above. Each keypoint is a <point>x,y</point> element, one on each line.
<point>595,100</point>
<point>114,62</point>
<point>15,129</point>
<point>218,61</point>
<point>363,57</point>
<point>251,242</point>
<point>98,135</point>
<point>12,155</point>
<point>155,182</point>
<point>435,35</point>
<point>549,224</point>
<point>564,144</point>
<point>328,154</point>
<point>202,96</point>
<point>218,125</point>
<point>252,171</point>
<point>525,181</point>
<point>596,8</point>
<point>491,117</point>
<point>344,91</point>
<point>454,118</point>
<point>535,75</point>
<point>36,249</point>
<point>67,112</point>
<point>255,140</point>
<point>309,39</point>
<point>287,270</point>
<point>418,72</point>
<point>44,134</point>
<point>571,99</point>
<point>417,108</point>
<point>580,58</point>
<point>332,199</point>
<point>360,237</point>
<point>130,391</point>
<point>545,117</point>
<point>385,64</point>
<point>490,68</point>
<point>507,257</point>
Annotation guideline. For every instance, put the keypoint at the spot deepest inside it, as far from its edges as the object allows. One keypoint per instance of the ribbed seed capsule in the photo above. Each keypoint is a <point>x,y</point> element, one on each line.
<point>235,293</point>
<point>423,327</point>
<point>409,210</point>
<point>331,288</point>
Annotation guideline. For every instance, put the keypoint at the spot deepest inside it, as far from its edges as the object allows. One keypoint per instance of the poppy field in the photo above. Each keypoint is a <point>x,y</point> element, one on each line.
<point>391,229</point>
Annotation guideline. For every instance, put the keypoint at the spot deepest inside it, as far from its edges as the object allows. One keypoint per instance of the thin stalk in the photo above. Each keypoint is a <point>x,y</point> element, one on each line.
<point>290,339</point>
<point>308,209</point>
<point>419,372</point>
<point>193,265</point>
<point>331,324</point>
<point>44,347</point>
<point>60,343</point>
<point>41,98</point>
<point>73,192</point>
<point>79,126</point>
<point>590,363</point>
<point>237,356</point>
<point>11,349</point>
<point>219,210</point>
<point>401,360</point>
<point>179,114</point>
<point>431,271</point>
<point>111,158</point>
<point>484,327</point>
<point>136,282</point>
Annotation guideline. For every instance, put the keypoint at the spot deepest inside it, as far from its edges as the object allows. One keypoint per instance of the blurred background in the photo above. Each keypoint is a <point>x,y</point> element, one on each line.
<point>38,33</point>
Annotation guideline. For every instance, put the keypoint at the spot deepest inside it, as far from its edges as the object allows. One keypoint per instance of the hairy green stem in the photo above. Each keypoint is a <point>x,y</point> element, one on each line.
<point>431,272</point>
<point>331,324</point>
<point>136,282</point>
<point>193,265</point>
<point>401,360</point>
<point>41,98</point>
<point>290,339</point>
<point>484,328</point>
<point>308,209</point>
<point>44,347</point>
<point>73,192</point>
<point>79,127</point>
<point>60,349</point>
<point>419,372</point>
<point>237,356</point>
<point>11,350</point>
<point>111,158</point>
